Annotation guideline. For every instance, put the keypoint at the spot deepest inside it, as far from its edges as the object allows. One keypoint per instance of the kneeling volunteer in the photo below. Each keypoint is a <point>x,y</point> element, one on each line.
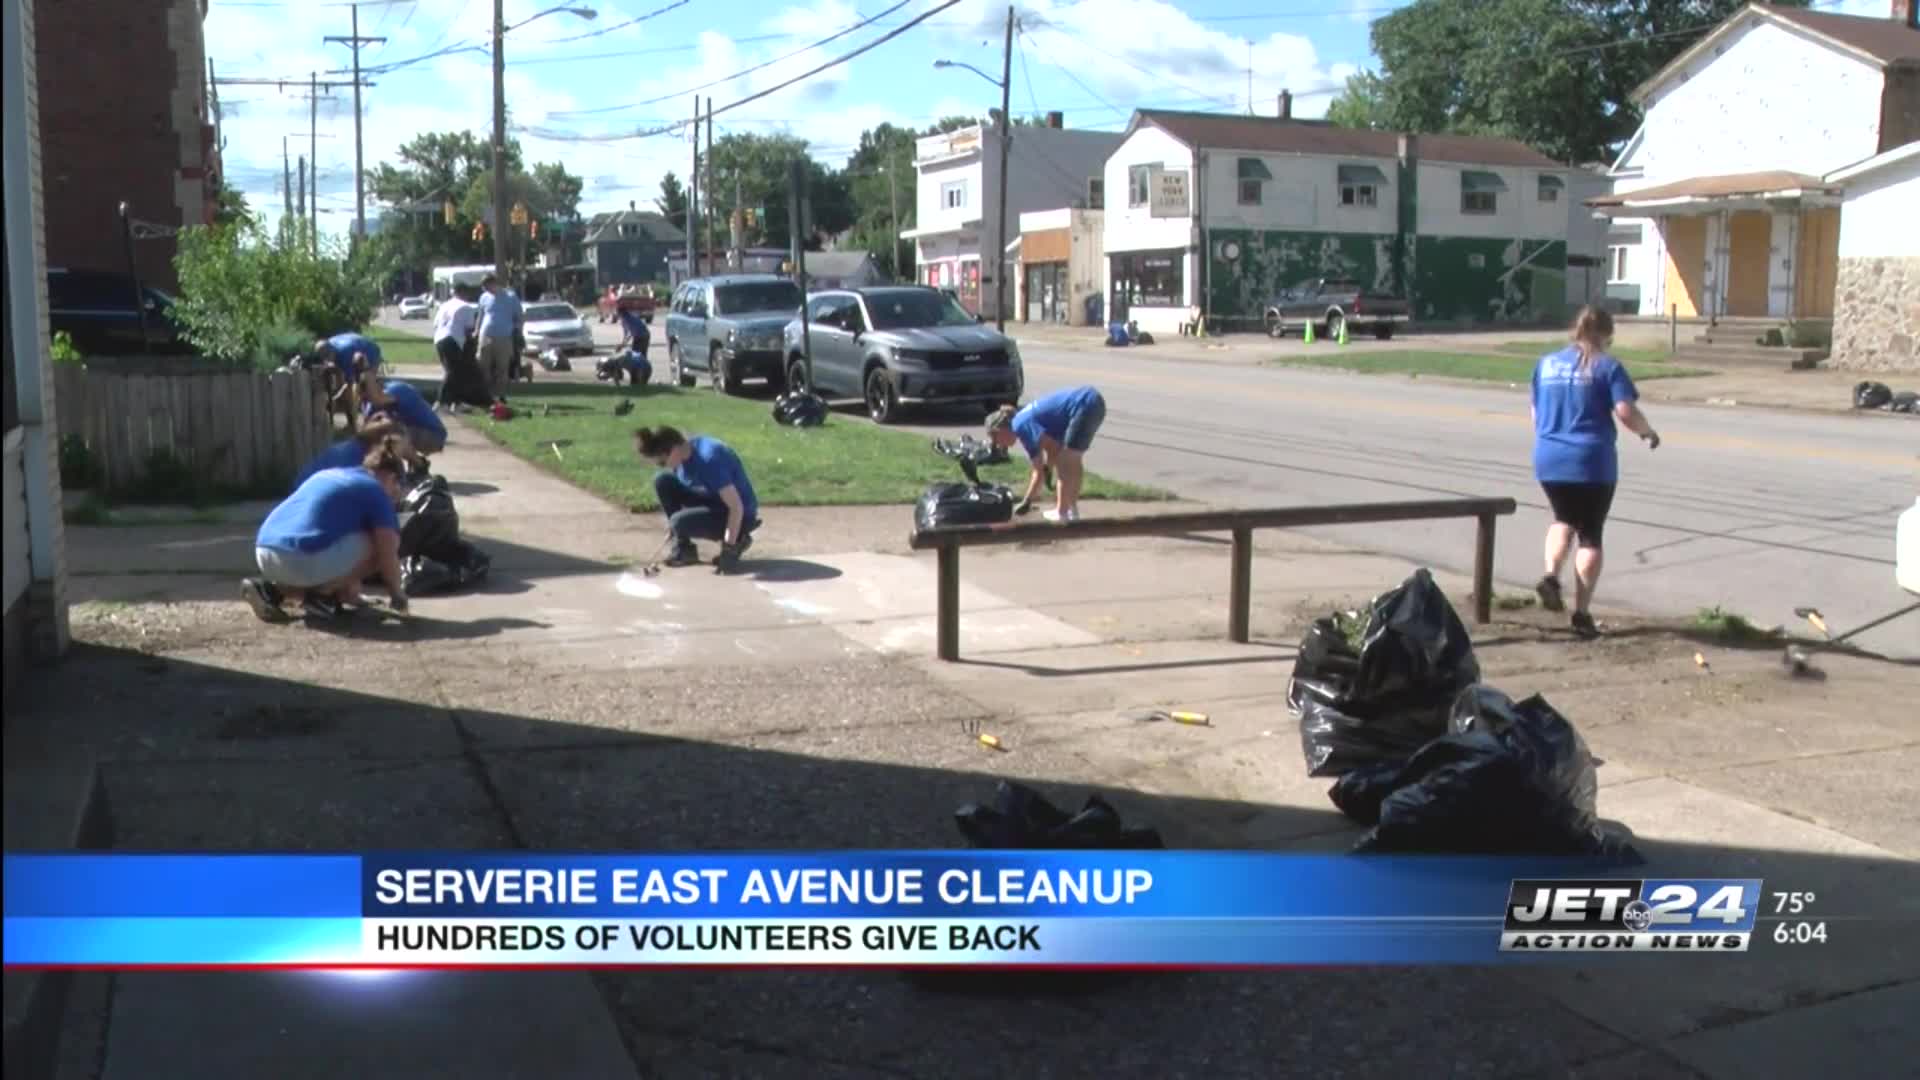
<point>1055,431</point>
<point>331,534</point>
<point>704,492</point>
<point>398,399</point>
<point>349,453</point>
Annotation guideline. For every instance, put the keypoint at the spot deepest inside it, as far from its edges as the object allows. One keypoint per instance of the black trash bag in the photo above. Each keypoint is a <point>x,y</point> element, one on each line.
<point>1509,779</point>
<point>1021,819</point>
<point>963,504</point>
<point>1389,697</point>
<point>1871,395</point>
<point>1360,792</point>
<point>430,534</point>
<point>971,453</point>
<point>800,409</point>
<point>1906,401</point>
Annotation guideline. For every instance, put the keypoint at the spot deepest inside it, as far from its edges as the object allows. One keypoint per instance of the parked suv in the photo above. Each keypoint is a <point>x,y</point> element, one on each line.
<point>730,327</point>
<point>95,308</point>
<point>901,345</point>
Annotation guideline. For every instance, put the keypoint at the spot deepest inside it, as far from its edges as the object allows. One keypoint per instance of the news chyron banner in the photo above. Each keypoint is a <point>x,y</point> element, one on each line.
<point>1041,909</point>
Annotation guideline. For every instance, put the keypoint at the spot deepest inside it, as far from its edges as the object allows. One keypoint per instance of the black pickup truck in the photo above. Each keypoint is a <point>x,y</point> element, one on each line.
<point>1329,304</point>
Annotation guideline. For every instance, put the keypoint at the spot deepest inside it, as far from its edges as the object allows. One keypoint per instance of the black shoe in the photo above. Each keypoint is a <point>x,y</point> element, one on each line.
<point>264,599</point>
<point>321,607</point>
<point>1583,626</point>
<point>1548,590</point>
<point>684,555</point>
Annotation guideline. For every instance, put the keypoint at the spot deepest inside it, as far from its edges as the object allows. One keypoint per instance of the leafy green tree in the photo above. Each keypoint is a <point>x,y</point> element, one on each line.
<point>754,172</point>
<point>1555,74</point>
<point>249,300</point>
<point>672,202</point>
<point>880,179</point>
<point>1361,105</point>
<point>230,206</point>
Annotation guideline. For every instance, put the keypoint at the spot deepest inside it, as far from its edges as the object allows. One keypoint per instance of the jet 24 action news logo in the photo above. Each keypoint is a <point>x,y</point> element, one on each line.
<point>1613,915</point>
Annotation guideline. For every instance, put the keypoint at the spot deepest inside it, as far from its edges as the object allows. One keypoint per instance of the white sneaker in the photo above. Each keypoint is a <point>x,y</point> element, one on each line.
<point>1058,518</point>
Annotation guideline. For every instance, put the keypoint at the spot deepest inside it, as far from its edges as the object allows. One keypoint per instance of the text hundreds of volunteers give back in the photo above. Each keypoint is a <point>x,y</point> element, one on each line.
<point>687,885</point>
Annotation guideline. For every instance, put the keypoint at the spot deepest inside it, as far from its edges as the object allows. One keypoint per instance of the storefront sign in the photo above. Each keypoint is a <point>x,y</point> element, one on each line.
<point>1168,194</point>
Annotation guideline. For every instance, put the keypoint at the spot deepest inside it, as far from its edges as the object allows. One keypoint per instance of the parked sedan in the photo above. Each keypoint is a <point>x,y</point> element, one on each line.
<point>901,345</point>
<point>557,327</point>
<point>416,307</point>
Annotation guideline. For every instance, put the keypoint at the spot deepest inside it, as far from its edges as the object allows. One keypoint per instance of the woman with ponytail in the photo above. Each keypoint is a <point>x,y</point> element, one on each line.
<point>1578,394</point>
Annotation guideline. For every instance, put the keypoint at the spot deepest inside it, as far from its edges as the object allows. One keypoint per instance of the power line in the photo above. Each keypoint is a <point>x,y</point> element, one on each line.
<point>738,74</point>
<point>635,21</point>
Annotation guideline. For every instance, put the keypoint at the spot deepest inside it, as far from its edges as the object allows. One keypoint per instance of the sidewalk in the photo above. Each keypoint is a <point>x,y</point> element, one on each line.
<point>573,704</point>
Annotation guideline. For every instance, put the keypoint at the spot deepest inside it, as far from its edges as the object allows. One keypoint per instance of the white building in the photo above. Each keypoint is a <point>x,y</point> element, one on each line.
<point>1214,214</point>
<point>1876,318</point>
<point>1061,265</point>
<point>1721,202</point>
<point>959,197</point>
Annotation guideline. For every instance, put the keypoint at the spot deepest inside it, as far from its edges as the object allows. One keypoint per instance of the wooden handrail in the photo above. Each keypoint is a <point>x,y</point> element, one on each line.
<point>948,541</point>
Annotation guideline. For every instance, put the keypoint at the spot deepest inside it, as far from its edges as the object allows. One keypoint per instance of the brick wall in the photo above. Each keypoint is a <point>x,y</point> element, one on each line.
<point>122,96</point>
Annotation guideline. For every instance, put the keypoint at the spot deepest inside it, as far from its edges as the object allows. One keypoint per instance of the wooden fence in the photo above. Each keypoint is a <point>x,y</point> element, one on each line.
<point>241,431</point>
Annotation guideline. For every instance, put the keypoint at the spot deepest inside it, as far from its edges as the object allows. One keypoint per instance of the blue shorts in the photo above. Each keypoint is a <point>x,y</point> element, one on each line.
<point>1085,423</point>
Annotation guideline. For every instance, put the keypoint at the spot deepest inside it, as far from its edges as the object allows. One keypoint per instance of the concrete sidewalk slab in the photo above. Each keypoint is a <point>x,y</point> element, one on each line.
<point>321,1025</point>
<point>1865,1034</point>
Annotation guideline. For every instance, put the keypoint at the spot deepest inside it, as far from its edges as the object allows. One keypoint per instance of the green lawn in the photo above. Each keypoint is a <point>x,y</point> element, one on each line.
<point>402,347</point>
<point>1632,355</point>
<point>844,462</point>
<point>1489,367</point>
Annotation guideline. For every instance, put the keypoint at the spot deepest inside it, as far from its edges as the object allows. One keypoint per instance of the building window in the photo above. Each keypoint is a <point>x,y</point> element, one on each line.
<point>1139,184</point>
<point>1621,240</point>
<point>1096,193</point>
<point>953,195</point>
<point>1359,195</point>
<point>1150,278</point>
<point>1250,192</point>
<point>1550,189</point>
<point>1253,175</point>
<point>1617,265</point>
<point>1360,185</point>
<point>629,230</point>
<point>1478,202</point>
<point>1479,192</point>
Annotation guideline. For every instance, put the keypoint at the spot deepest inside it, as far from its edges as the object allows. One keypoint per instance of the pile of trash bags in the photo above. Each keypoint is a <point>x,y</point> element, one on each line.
<point>433,556</point>
<point>1430,758</point>
<point>800,409</point>
<point>1875,395</point>
<point>972,503</point>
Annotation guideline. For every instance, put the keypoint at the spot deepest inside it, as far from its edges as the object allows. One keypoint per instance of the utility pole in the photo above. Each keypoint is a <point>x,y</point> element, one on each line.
<point>300,201</point>
<point>1006,151</point>
<point>693,194</point>
<point>313,154</point>
<point>893,216</point>
<point>709,177</point>
<point>359,166</point>
<point>500,219</point>
<point>797,234</point>
<point>286,173</point>
<point>737,223</point>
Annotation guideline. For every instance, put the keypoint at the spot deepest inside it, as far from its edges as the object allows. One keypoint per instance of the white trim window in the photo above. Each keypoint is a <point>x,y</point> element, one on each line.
<point>1139,185</point>
<point>953,195</point>
<point>1621,240</point>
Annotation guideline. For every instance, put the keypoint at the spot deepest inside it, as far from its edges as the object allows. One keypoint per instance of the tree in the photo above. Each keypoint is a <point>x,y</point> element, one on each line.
<point>754,172</point>
<point>1555,74</point>
<point>951,123</point>
<point>230,206</point>
<point>880,177</point>
<point>673,200</point>
<point>1361,105</point>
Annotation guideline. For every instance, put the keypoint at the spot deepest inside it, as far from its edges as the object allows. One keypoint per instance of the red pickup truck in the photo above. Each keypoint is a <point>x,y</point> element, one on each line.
<point>618,300</point>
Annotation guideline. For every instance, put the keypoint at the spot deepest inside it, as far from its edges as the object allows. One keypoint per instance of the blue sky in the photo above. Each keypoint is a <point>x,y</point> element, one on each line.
<point>575,84</point>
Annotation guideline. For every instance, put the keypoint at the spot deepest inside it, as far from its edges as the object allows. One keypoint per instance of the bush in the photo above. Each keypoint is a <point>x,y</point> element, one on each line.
<point>245,295</point>
<point>64,352</point>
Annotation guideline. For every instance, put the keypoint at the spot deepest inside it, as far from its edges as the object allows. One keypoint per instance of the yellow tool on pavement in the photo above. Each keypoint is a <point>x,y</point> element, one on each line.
<point>1154,716</point>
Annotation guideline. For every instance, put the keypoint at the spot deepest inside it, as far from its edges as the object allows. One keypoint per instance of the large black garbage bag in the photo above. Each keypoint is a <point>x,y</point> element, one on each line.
<point>1389,697</point>
<point>1906,401</point>
<point>1509,779</point>
<point>1871,395</point>
<point>800,410</point>
<point>433,556</point>
<point>963,504</point>
<point>1021,819</point>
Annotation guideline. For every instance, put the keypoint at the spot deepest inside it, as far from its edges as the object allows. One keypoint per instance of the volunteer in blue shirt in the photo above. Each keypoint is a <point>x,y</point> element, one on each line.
<point>634,332</point>
<point>1055,431</point>
<point>335,530</point>
<point>402,402</point>
<point>351,353</point>
<point>349,453</point>
<point>500,324</point>
<point>704,492</point>
<point>1578,394</point>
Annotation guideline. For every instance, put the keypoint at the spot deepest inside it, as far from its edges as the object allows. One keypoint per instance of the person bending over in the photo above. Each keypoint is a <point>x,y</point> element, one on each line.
<point>1055,431</point>
<point>351,353</point>
<point>704,492</point>
<point>398,399</point>
<point>336,530</point>
<point>349,453</point>
<point>1579,393</point>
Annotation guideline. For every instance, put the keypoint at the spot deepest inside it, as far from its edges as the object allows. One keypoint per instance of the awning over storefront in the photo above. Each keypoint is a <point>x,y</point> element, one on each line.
<point>1715,192</point>
<point>1548,180</point>
<point>1362,174</point>
<point>1472,180</point>
<point>1252,168</point>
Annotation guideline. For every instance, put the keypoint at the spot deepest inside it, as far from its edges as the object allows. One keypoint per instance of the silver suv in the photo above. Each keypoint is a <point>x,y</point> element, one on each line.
<point>900,345</point>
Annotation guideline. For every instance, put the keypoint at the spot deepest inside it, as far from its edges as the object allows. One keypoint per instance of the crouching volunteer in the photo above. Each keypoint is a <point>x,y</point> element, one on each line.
<point>349,453</point>
<point>336,530</point>
<point>399,400</point>
<point>704,492</point>
<point>1055,431</point>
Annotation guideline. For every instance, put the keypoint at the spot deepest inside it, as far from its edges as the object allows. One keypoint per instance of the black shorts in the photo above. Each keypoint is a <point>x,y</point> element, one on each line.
<point>1582,507</point>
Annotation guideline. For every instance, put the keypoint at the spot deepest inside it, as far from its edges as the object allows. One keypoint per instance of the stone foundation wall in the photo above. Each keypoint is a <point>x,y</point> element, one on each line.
<point>1876,315</point>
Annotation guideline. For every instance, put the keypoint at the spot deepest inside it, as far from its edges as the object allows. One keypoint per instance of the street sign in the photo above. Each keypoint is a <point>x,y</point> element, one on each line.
<point>519,214</point>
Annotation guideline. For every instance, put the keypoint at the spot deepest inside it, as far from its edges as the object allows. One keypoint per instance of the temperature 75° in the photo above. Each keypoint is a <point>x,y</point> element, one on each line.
<point>1791,903</point>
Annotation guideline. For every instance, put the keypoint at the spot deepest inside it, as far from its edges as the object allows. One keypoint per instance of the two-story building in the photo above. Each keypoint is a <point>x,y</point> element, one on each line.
<point>1211,215</point>
<point>631,246</point>
<point>1722,203</point>
<point>957,242</point>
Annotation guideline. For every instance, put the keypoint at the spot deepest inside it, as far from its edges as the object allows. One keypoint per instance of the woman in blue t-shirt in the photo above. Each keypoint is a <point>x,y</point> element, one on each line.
<point>337,529</point>
<point>1578,394</point>
<point>1055,431</point>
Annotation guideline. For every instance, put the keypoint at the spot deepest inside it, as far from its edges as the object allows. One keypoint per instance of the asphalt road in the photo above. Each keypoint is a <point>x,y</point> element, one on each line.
<point>1754,511</point>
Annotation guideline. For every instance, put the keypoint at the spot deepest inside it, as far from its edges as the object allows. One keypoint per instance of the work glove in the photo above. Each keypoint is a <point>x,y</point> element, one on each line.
<point>1653,440</point>
<point>727,560</point>
<point>1023,506</point>
<point>398,602</point>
